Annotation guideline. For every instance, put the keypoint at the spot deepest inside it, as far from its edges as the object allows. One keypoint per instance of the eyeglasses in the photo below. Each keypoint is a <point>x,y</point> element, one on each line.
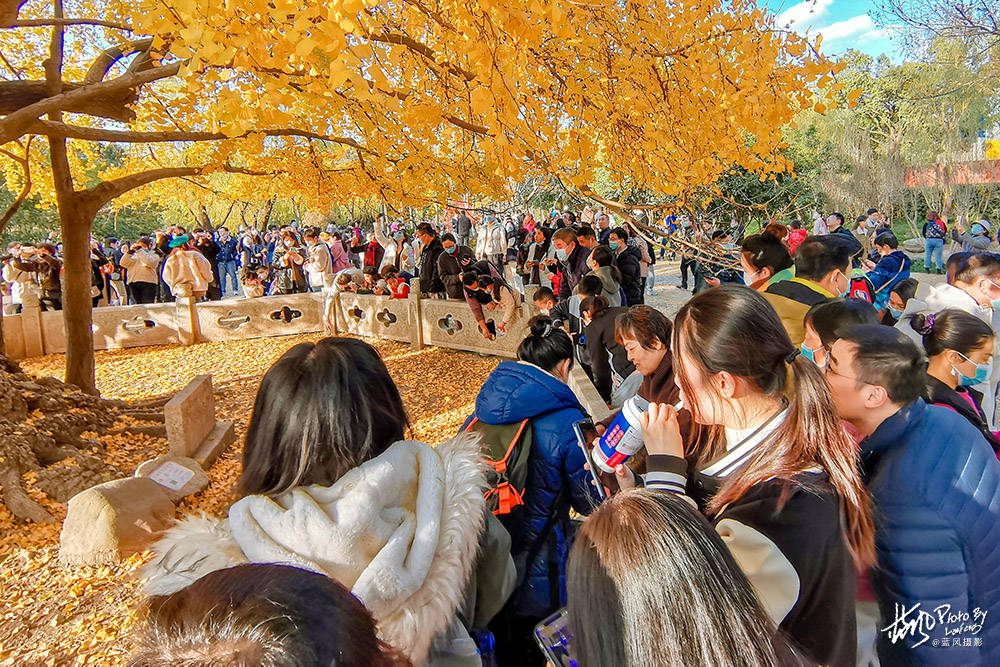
<point>827,370</point>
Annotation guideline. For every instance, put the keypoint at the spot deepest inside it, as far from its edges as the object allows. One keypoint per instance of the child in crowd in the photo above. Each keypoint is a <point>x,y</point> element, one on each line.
<point>252,286</point>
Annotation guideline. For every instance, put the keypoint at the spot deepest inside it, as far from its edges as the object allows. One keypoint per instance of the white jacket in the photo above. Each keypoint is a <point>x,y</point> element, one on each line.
<point>141,266</point>
<point>493,240</point>
<point>18,279</point>
<point>187,267</point>
<point>401,531</point>
<point>934,299</point>
<point>407,260</point>
<point>320,265</point>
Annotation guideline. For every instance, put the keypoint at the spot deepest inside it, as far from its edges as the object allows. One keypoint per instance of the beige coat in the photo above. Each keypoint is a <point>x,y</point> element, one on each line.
<point>187,267</point>
<point>141,266</point>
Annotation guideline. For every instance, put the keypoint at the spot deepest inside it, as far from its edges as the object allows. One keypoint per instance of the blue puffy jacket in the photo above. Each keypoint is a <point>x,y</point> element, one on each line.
<point>935,484</point>
<point>890,269</point>
<point>517,391</point>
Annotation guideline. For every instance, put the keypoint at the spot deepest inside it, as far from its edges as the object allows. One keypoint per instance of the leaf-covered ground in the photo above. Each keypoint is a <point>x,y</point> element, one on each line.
<point>55,616</point>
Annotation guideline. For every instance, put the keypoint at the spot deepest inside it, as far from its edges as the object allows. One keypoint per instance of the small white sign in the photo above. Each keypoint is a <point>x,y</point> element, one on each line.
<point>172,475</point>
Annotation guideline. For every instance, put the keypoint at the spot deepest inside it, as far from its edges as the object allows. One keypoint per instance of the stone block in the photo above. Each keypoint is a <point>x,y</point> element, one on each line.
<point>114,520</point>
<point>913,245</point>
<point>222,435</point>
<point>589,397</point>
<point>31,323</point>
<point>178,476</point>
<point>190,416</point>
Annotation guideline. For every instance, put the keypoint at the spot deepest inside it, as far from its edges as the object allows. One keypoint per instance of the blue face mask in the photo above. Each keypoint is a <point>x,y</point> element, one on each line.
<point>398,236</point>
<point>561,254</point>
<point>982,372</point>
<point>451,250</point>
<point>978,229</point>
<point>808,353</point>
<point>895,312</point>
<point>614,245</point>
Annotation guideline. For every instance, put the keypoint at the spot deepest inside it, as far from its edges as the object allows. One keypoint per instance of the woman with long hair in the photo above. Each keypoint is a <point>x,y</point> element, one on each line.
<point>651,583</point>
<point>774,468</point>
<point>330,484</point>
<point>539,252</point>
<point>288,259</point>
<point>959,350</point>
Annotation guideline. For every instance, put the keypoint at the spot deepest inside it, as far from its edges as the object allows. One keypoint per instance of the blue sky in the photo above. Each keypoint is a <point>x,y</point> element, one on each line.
<point>844,24</point>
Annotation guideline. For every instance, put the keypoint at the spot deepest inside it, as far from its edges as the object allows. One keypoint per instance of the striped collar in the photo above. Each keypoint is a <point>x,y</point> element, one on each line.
<point>741,443</point>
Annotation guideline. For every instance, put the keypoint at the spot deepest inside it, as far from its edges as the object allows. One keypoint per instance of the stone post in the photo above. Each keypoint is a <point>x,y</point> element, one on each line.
<point>31,326</point>
<point>188,326</point>
<point>415,315</point>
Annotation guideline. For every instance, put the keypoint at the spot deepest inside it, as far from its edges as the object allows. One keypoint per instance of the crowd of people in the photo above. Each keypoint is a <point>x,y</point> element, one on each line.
<point>818,483</point>
<point>512,253</point>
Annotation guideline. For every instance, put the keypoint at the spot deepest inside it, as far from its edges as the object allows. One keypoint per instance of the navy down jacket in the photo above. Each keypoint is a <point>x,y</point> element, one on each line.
<point>513,392</point>
<point>935,484</point>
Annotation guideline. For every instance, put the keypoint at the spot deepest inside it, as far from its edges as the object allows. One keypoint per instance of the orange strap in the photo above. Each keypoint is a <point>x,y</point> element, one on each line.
<point>501,465</point>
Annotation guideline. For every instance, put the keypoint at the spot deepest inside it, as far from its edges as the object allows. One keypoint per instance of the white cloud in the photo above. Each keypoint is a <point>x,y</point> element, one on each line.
<point>799,17</point>
<point>858,28</point>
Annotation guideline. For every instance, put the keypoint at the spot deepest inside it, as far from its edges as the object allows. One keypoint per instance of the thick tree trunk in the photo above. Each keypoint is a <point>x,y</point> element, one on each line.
<point>77,311</point>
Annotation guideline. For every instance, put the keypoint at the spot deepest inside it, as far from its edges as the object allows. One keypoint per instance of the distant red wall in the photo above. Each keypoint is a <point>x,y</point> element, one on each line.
<point>980,172</point>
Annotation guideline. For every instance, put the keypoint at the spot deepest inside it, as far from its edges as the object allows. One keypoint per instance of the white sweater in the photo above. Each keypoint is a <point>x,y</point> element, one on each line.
<point>187,267</point>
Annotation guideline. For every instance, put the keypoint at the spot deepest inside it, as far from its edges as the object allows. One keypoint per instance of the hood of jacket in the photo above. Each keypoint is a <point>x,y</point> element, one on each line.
<point>939,297</point>
<point>401,531</point>
<point>518,390</point>
<point>610,286</point>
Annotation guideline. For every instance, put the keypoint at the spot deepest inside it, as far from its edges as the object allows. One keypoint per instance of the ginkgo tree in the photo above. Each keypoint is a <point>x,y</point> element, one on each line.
<point>408,101</point>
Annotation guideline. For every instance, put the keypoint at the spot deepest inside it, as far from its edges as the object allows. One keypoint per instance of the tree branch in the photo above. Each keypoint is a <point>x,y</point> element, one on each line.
<point>51,129</point>
<point>44,23</point>
<point>15,124</point>
<point>25,163</point>
<point>97,196</point>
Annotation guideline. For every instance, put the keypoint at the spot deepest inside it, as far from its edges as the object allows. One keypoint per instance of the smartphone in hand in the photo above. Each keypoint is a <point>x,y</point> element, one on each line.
<point>585,433</point>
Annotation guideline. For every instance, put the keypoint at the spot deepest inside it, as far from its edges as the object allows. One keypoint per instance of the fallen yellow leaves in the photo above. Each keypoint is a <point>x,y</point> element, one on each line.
<point>49,615</point>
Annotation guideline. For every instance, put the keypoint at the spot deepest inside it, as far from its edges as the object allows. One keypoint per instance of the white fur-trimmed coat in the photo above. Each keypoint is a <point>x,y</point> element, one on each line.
<point>401,531</point>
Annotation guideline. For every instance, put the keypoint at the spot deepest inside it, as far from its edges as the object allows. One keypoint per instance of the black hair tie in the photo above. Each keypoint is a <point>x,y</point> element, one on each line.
<point>791,356</point>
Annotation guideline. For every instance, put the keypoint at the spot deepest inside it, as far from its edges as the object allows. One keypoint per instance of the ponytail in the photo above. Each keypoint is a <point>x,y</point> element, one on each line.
<point>815,428</point>
<point>732,329</point>
<point>951,330</point>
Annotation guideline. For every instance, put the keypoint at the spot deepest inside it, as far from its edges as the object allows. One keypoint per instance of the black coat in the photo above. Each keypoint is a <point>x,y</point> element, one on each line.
<point>450,270</point>
<point>430,279</point>
<point>600,336</point>
<point>628,265</point>
<point>938,393</point>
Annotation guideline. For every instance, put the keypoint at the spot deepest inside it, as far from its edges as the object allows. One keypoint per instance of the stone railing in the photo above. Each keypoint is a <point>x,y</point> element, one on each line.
<point>419,322</point>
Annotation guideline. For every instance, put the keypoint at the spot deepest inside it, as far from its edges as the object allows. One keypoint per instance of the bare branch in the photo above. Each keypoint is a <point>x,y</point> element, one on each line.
<point>25,163</point>
<point>99,195</point>
<point>44,23</point>
<point>15,124</point>
<point>51,129</point>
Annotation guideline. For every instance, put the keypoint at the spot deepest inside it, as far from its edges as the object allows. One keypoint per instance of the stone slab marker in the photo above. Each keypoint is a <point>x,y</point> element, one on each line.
<point>178,476</point>
<point>191,427</point>
<point>112,521</point>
